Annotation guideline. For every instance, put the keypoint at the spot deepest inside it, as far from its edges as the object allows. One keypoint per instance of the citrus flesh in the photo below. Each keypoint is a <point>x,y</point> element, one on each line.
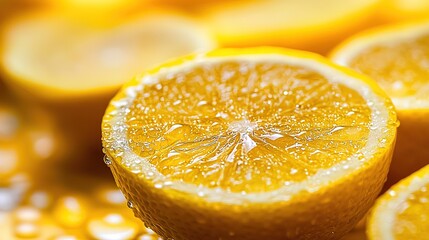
<point>398,61</point>
<point>250,144</point>
<point>234,120</point>
<point>288,23</point>
<point>403,211</point>
<point>397,58</point>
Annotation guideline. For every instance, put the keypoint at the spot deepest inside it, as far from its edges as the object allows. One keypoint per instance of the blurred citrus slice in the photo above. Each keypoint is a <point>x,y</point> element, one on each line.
<point>400,10</point>
<point>80,58</point>
<point>235,143</point>
<point>309,24</point>
<point>71,67</point>
<point>403,211</point>
<point>397,57</point>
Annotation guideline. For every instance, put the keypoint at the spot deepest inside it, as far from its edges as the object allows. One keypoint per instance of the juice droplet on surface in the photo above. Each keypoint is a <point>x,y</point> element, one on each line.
<point>107,160</point>
<point>70,212</point>
<point>26,230</point>
<point>112,196</point>
<point>112,226</point>
<point>27,214</point>
<point>148,236</point>
<point>130,204</point>
<point>65,237</point>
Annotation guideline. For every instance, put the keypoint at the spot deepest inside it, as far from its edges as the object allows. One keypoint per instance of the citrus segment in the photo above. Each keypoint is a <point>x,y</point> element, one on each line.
<point>288,23</point>
<point>397,58</point>
<point>403,211</point>
<point>235,143</point>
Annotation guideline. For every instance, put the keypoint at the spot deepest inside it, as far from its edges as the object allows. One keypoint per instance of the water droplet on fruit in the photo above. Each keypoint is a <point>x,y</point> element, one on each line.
<point>130,204</point>
<point>201,193</point>
<point>107,160</point>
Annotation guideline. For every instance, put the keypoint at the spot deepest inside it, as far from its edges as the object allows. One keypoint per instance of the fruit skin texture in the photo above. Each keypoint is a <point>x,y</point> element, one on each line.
<point>329,214</point>
<point>411,152</point>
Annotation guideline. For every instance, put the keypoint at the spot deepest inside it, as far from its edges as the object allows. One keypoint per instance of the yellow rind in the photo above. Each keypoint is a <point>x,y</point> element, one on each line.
<point>328,214</point>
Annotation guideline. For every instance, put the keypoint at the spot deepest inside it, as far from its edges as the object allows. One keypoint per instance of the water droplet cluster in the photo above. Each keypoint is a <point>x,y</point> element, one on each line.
<point>243,127</point>
<point>93,211</point>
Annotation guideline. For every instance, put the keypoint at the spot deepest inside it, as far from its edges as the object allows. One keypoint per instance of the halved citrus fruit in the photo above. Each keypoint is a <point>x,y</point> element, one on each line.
<point>402,213</point>
<point>72,68</point>
<point>397,57</point>
<point>260,143</point>
<point>309,24</point>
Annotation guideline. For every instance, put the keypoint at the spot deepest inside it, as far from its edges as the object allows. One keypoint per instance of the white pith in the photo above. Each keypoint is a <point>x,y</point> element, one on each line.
<point>380,117</point>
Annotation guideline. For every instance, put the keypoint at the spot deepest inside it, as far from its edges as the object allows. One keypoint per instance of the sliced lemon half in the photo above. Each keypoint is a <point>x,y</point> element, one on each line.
<point>260,143</point>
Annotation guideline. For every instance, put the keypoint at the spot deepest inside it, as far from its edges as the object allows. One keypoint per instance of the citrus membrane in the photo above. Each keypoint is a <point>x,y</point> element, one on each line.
<point>242,132</point>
